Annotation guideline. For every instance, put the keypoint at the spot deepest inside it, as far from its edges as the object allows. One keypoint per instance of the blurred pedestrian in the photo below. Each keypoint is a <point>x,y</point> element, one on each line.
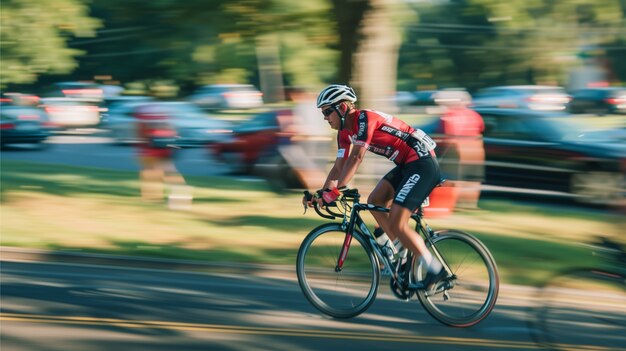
<point>461,150</point>
<point>307,145</point>
<point>309,125</point>
<point>156,151</point>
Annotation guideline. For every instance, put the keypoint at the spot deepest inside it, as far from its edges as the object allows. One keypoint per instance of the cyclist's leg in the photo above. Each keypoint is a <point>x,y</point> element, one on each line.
<point>420,177</point>
<point>410,239</point>
<point>382,195</point>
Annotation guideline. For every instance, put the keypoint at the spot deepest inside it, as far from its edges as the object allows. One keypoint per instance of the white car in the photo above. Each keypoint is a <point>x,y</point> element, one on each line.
<point>532,97</point>
<point>194,127</point>
<point>227,96</point>
<point>71,112</point>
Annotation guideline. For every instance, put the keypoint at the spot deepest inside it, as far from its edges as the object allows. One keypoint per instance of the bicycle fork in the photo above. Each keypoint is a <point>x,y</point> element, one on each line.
<point>344,252</point>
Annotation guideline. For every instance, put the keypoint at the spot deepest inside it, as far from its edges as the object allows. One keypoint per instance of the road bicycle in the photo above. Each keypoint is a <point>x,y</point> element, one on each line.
<point>339,267</point>
<point>584,307</point>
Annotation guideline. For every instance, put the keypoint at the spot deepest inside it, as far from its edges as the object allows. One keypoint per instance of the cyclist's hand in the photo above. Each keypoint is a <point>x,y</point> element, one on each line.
<point>308,199</point>
<point>330,195</point>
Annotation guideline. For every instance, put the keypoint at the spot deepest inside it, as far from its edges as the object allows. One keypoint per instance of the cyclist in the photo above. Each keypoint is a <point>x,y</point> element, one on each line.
<point>407,185</point>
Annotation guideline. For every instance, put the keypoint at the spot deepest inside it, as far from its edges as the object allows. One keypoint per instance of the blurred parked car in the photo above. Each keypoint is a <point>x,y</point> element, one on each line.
<point>18,99</point>
<point>250,140</point>
<point>533,97</point>
<point>403,99</point>
<point>254,147</point>
<point>424,102</point>
<point>72,112</point>
<point>108,102</point>
<point>88,92</point>
<point>606,100</point>
<point>424,98</point>
<point>110,91</point>
<point>194,127</point>
<point>23,125</point>
<point>554,152</point>
<point>227,96</point>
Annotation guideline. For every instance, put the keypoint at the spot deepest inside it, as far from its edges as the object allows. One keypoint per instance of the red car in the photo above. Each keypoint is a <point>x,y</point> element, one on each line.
<point>253,139</point>
<point>254,149</point>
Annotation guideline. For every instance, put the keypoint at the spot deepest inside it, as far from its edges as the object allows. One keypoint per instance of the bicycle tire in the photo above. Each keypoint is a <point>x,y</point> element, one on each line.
<point>342,294</point>
<point>474,289</point>
<point>581,307</point>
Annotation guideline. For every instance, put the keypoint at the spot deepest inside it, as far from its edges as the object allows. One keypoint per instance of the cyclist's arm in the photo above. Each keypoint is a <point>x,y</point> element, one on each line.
<point>333,175</point>
<point>351,165</point>
<point>367,125</point>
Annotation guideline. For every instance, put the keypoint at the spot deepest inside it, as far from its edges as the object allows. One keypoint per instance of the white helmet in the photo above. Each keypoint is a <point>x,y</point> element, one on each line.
<point>335,93</point>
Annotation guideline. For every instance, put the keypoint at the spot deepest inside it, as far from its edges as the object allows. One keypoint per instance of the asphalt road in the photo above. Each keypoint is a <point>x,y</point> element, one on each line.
<point>58,306</point>
<point>97,150</point>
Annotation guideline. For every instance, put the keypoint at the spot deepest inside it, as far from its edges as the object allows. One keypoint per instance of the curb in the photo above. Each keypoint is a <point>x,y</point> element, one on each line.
<point>19,254</point>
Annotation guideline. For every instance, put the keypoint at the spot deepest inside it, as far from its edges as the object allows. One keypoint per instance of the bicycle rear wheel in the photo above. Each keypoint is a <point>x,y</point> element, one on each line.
<point>581,308</point>
<point>344,293</point>
<point>471,293</point>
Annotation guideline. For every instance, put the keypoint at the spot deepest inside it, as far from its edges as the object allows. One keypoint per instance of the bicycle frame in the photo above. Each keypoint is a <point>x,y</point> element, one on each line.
<point>354,220</point>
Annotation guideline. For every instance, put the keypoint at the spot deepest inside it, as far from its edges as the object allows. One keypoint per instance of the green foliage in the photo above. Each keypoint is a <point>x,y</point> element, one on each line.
<point>34,37</point>
<point>198,42</point>
<point>473,43</point>
<point>304,63</point>
<point>469,43</point>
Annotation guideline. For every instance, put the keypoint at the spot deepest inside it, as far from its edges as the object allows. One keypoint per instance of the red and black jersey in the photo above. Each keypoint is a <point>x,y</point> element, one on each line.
<point>383,135</point>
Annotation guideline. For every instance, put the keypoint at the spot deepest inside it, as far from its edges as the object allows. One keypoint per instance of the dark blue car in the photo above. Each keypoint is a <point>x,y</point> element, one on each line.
<point>23,125</point>
<point>554,152</point>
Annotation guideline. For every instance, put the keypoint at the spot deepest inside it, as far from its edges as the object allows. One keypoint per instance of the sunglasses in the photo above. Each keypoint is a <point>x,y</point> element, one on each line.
<point>327,112</point>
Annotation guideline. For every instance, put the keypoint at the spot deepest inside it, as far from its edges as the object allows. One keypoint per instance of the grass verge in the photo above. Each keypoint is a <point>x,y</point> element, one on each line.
<point>61,207</point>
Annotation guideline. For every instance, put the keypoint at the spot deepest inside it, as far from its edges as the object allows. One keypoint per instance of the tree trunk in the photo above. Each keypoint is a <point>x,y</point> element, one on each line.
<point>376,58</point>
<point>270,73</point>
<point>349,17</point>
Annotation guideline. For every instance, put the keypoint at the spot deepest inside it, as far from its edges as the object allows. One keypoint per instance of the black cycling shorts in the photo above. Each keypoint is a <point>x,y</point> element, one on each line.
<point>414,181</point>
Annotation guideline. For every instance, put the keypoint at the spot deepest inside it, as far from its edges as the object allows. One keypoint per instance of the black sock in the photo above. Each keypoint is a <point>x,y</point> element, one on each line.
<point>378,232</point>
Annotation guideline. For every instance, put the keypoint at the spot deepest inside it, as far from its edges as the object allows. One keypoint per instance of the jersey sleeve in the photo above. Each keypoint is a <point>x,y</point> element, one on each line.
<point>365,130</point>
<point>343,144</point>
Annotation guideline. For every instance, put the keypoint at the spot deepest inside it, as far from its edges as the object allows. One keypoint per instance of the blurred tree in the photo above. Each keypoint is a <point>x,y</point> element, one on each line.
<point>376,56</point>
<point>468,43</point>
<point>289,38</point>
<point>34,37</point>
<point>616,60</point>
<point>616,50</point>
<point>348,15</point>
<point>474,43</point>
<point>149,41</point>
<point>200,42</point>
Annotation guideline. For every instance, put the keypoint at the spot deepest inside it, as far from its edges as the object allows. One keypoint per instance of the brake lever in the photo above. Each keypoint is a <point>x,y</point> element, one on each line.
<point>308,197</point>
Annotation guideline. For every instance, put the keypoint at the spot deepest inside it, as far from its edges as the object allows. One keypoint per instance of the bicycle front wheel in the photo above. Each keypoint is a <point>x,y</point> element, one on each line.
<point>339,293</point>
<point>470,294</point>
<point>581,308</point>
